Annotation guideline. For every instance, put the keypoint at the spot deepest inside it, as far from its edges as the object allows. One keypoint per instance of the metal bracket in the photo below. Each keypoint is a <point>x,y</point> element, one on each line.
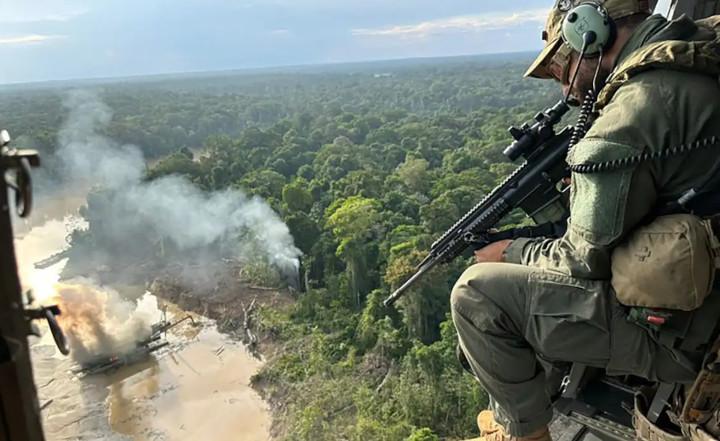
<point>20,161</point>
<point>573,383</point>
<point>48,313</point>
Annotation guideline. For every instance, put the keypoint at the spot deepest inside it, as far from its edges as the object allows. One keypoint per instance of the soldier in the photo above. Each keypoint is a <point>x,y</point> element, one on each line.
<point>657,88</point>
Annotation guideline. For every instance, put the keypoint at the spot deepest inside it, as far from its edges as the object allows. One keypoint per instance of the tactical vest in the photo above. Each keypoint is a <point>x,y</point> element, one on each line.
<point>699,417</point>
<point>700,53</point>
<point>687,46</point>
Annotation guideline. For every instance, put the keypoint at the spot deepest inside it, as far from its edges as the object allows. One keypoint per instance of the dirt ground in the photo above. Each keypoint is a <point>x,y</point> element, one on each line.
<point>227,306</point>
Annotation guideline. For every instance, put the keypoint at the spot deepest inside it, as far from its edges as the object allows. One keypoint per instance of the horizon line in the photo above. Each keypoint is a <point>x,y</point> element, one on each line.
<point>248,69</point>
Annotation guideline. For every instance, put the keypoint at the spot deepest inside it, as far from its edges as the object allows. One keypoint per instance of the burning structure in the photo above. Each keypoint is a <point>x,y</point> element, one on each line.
<point>99,321</point>
<point>106,362</point>
<point>105,330</point>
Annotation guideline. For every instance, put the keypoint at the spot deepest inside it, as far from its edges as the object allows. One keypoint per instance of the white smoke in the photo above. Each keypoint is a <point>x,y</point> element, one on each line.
<point>86,155</point>
<point>178,210</point>
<point>98,322</point>
<point>174,208</point>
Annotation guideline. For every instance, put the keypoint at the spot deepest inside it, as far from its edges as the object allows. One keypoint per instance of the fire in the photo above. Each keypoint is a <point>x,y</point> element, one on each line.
<point>99,322</point>
<point>43,284</point>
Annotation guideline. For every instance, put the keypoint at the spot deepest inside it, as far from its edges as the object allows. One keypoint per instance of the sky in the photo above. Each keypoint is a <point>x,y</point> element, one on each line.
<point>67,39</point>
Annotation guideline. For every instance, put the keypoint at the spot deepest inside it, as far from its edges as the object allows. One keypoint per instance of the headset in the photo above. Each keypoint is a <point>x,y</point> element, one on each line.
<point>588,29</point>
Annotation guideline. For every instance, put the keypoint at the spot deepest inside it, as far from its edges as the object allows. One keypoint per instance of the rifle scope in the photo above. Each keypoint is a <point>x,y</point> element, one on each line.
<point>528,138</point>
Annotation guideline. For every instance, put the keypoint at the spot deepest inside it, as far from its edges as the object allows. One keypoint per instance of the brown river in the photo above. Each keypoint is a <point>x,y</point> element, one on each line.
<point>196,388</point>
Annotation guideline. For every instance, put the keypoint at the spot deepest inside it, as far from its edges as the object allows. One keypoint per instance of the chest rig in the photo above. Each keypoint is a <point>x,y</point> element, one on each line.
<point>666,412</point>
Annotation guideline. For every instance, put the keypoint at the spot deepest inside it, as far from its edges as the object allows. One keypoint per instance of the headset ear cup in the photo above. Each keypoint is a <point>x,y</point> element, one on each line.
<point>585,18</point>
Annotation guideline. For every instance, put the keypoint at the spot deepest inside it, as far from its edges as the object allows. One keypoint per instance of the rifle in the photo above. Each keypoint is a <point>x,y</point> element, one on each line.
<point>19,411</point>
<point>533,187</point>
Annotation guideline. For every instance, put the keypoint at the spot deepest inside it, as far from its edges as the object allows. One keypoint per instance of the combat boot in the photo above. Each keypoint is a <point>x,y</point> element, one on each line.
<point>492,431</point>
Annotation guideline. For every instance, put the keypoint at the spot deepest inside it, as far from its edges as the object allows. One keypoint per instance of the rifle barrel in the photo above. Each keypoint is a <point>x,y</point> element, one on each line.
<point>400,291</point>
<point>531,187</point>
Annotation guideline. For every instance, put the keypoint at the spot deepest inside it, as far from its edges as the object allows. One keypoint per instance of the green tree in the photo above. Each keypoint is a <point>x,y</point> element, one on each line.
<point>304,230</point>
<point>352,221</point>
<point>423,434</point>
<point>297,197</point>
<point>424,304</point>
<point>415,175</point>
<point>177,163</point>
<point>265,183</point>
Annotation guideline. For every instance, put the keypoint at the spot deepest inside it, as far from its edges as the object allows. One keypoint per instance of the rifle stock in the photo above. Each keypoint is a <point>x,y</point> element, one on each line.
<point>531,187</point>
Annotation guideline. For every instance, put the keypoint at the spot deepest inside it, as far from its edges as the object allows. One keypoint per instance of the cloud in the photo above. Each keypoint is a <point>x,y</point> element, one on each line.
<point>18,11</point>
<point>207,35</point>
<point>30,39</point>
<point>461,24</point>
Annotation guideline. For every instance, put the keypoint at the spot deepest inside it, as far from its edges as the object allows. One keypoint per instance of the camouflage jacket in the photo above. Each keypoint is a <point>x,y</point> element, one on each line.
<point>663,92</point>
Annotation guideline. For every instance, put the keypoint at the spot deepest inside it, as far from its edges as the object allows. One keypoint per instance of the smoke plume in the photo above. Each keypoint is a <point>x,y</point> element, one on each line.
<point>99,323</point>
<point>85,155</point>
<point>131,214</point>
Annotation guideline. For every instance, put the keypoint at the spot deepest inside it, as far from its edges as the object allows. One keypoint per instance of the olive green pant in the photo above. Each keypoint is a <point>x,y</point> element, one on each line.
<point>508,315</point>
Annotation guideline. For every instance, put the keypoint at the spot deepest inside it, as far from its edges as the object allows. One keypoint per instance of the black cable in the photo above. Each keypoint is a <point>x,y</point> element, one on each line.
<point>597,69</point>
<point>581,126</point>
<point>588,39</point>
<point>623,163</point>
<point>586,109</point>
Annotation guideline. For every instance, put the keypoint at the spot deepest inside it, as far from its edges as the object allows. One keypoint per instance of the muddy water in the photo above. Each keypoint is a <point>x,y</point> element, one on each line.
<point>61,203</point>
<point>194,389</point>
<point>196,393</point>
